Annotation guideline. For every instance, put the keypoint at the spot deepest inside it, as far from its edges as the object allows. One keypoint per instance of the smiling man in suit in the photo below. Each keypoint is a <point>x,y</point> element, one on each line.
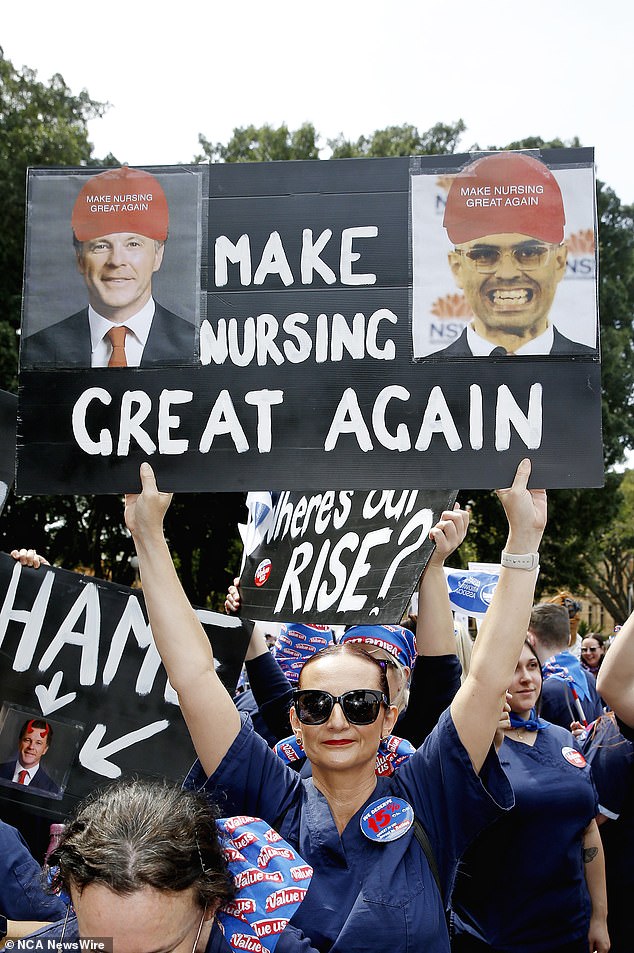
<point>35,739</point>
<point>505,218</point>
<point>120,225</point>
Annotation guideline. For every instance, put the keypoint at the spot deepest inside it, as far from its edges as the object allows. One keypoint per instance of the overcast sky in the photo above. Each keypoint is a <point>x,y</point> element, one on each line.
<point>172,72</point>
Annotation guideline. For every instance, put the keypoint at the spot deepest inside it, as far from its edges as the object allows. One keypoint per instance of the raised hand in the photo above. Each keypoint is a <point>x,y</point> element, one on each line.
<point>526,511</point>
<point>144,511</point>
<point>448,533</point>
<point>29,557</point>
<point>232,602</point>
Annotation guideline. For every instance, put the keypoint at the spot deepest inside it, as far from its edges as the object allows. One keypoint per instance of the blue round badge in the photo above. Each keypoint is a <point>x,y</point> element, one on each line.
<point>386,819</point>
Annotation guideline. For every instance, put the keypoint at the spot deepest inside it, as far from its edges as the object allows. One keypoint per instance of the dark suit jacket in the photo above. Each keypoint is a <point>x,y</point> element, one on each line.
<point>561,345</point>
<point>67,344</point>
<point>41,780</point>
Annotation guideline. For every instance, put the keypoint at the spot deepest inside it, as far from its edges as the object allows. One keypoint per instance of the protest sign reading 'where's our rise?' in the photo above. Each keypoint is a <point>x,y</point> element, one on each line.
<point>349,324</point>
<point>336,556</point>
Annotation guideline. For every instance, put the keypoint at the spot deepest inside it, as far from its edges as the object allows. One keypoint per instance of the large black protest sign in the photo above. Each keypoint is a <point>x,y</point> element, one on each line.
<point>357,323</point>
<point>78,654</point>
<point>8,410</point>
<point>337,556</point>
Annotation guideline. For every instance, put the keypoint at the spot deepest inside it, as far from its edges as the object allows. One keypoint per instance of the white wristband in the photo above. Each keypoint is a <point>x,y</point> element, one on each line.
<point>528,561</point>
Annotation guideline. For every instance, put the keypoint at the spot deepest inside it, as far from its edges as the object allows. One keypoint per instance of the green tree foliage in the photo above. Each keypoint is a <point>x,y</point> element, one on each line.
<point>400,141</point>
<point>616,313</point>
<point>574,538</point>
<point>262,144</point>
<point>536,142</point>
<point>610,564</point>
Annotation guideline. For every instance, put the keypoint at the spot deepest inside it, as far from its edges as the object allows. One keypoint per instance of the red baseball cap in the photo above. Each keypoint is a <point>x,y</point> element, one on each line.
<point>503,193</point>
<point>121,200</point>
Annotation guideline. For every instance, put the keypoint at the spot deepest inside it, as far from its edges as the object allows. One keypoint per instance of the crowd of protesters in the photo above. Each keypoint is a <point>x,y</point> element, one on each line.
<point>364,793</point>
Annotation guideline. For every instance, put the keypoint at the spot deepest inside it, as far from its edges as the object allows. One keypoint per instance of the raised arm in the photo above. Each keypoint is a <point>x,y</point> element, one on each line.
<point>436,676</point>
<point>211,716</point>
<point>477,706</point>
<point>615,681</point>
<point>434,625</point>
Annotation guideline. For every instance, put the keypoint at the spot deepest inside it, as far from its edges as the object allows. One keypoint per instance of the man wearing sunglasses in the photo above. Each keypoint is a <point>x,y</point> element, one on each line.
<point>505,218</point>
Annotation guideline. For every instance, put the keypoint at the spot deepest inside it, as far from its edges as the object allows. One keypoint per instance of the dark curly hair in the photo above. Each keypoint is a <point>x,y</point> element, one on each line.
<point>140,833</point>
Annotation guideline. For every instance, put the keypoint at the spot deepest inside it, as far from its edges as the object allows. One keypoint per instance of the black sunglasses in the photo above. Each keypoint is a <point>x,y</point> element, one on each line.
<point>361,706</point>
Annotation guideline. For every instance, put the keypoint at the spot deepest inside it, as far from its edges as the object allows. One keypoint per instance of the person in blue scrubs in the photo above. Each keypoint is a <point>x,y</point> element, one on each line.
<point>615,682</point>
<point>373,886</point>
<point>608,746</point>
<point>547,849</point>
<point>152,867</point>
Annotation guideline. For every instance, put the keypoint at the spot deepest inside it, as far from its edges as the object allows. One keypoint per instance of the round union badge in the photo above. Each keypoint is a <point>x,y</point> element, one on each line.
<point>263,572</point>
<point>574,757</point>
<point>386,819</point>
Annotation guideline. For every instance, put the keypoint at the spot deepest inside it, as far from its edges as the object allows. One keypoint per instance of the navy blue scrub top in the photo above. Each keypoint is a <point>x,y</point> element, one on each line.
<point>521,886</point>
<point>22,894</point>
<point>367,896</point>
<point>610,750</point>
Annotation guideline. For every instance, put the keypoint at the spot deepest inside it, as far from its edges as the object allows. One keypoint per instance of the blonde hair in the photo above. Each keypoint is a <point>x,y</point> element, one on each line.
<point>464,647</point>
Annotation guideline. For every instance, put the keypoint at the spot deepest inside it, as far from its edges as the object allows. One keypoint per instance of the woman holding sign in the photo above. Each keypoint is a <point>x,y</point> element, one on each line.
<point>423,672</point>
<point>377,884</point>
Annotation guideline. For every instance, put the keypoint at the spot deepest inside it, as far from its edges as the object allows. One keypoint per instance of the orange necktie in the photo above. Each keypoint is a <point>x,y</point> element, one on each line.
<point>117,338</point>
<point>22,776</point>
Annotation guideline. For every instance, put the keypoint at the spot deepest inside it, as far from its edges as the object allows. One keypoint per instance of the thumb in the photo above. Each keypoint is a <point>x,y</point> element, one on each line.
<point>523,472</point>
<point>148,480</point>
<point>520,480</point>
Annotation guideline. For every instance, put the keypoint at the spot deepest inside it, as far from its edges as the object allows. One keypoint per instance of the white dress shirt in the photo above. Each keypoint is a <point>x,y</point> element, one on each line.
<point>30,772</point>
<point>480,347</point>
<point>139,330</point>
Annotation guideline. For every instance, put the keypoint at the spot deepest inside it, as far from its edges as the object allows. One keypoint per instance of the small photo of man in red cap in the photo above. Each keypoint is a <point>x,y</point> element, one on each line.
<point>505,219</point>
<point>120,225</point>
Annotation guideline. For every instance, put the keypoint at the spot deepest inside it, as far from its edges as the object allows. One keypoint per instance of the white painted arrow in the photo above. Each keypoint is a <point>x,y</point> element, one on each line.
<point>95,758</point>
<point>47,697</point>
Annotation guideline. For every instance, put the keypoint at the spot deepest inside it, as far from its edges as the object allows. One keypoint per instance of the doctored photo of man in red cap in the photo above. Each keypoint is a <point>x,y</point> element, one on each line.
<point>34,740</point>
<point>120,224</point>
<point>505,221</point>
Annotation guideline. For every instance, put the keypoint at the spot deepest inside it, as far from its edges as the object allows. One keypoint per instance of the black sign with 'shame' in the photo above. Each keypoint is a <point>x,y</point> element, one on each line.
<point>78,652</point>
